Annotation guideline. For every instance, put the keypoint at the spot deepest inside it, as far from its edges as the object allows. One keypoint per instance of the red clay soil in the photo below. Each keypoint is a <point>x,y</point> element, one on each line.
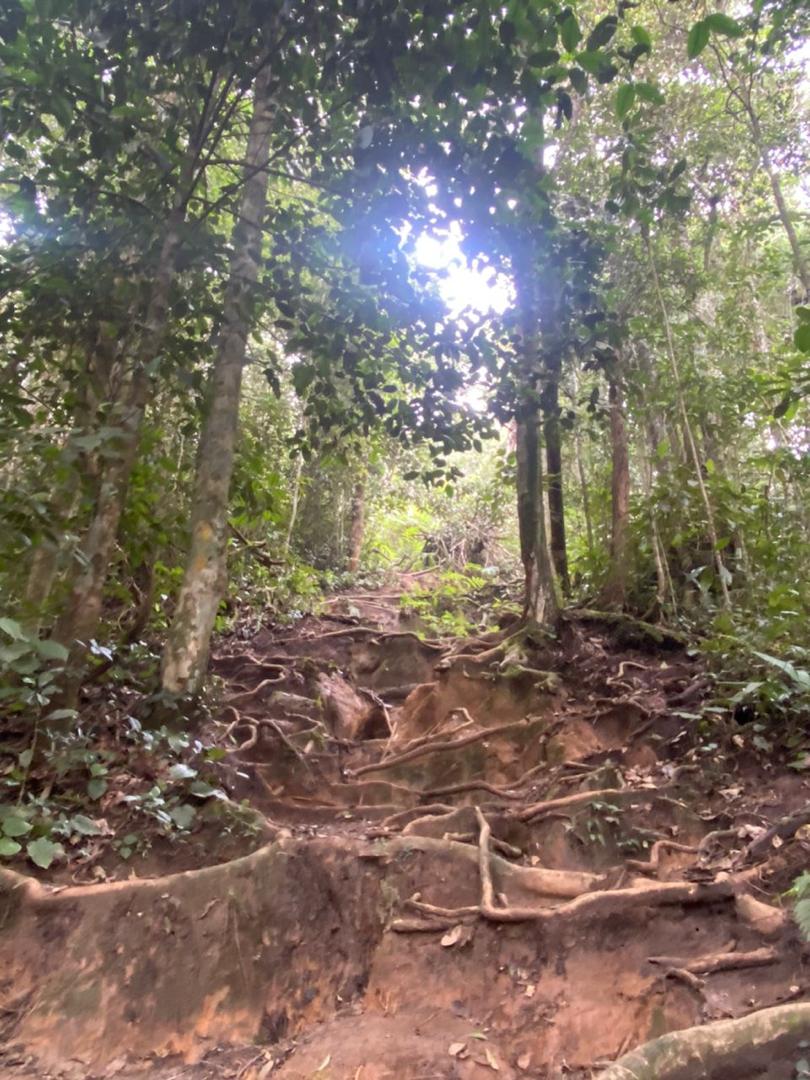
<point>507,857</point>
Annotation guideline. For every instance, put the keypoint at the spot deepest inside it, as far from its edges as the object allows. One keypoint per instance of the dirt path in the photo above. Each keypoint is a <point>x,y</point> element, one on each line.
<point>501,857</point>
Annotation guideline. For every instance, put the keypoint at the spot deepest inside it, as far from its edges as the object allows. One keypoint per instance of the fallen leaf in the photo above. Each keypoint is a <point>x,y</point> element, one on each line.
<point>324,1064</point>
<point>524,1061</point>
<point>529,991</point>
<point>452,937</point>
<point>478,1035</point>
<point>454,1049</point>
<point>491,1060</point>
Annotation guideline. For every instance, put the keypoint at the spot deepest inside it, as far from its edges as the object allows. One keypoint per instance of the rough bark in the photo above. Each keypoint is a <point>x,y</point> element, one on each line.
<point>556,504</point>
<point>185,656</point>
<point>539,600</point>
<point>356,526</point>
<point>614,591</point>
<point>717,1049</point>
<point>81,613</point>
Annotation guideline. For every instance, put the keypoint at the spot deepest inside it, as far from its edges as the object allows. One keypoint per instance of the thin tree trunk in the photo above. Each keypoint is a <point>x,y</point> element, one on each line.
<point>185,657</point>
<point>614,591</point>
<point>800,262</point>
<point>45,560</point>
<point>80,616</point>
<point>583,480</point>
<point>722,572</point>
<point>556,507</point>
<point>296,496</point>
<point>357,524</point>
<point>539,600</point>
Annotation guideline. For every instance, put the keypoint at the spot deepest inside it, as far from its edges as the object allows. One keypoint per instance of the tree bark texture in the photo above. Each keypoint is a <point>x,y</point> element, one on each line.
<point>185,657</point>
<point>556,506</point>
<point>614,591</point>
<point>540,601</point>
<point>357,524</point>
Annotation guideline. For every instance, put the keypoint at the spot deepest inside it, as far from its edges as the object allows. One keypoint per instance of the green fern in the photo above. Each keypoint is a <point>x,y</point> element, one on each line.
<point>799,892</point>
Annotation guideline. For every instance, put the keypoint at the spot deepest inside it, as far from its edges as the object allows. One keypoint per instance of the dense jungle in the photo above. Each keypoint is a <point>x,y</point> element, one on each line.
<point>404,539</point>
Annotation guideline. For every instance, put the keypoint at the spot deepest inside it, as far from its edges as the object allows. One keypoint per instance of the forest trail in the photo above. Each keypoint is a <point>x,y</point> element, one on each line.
<point>499,857</point>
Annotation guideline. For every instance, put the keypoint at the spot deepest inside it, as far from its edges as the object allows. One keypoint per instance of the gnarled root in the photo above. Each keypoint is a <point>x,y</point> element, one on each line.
<point>701,1051</point>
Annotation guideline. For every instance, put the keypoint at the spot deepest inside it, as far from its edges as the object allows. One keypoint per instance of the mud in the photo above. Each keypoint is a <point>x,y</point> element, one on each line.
<point>358,943</point>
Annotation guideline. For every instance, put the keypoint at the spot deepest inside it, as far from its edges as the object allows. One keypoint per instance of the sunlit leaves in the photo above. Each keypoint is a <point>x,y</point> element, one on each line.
<point>700,33</point>
<point>697,40</point>
<point>570,33</point>
<point>625,97</point>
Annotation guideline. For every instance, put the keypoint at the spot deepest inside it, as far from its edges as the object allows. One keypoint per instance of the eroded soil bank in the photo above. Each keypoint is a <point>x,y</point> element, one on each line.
<point>509,856</point>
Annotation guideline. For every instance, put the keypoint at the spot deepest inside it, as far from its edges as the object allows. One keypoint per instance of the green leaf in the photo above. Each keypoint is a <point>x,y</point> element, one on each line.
<point>801,912</point>
<point>52,650</point>
<point>592,62</point>
<point>182,772</point>
<point>8,847</point>
<point>649,92</point>
<point>641,36</point>
<point>543,57</point>
<point>602,32</point>
<point>570,33</point>
<point>801,339</point>
<point>13,629</point>
<point>84,826</point>
<point>205,791</point>
<point>215,753</point>
<point>15,826</point>
<point>698,39</point>
<point>724,24</point>
<point>183,815</point>
<point>625,97</point>
<point>799,677</point>
<point>96,787</point>
<point>61,714</point>
<point>42,852</point>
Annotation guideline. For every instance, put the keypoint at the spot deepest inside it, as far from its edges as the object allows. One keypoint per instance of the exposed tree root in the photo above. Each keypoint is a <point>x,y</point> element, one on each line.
<point>414,813</point>
<point>781,830</point>
<point>726,961</point>
<point>254,726</point>
<point>652,864</point>
<point>509,850</point>
<point>250,695</point>
<point>436,747</point>
<point>658,635</point>
<point>567,802</point>
<point>471,785</point>
<point>700,1051</point>
<point>421,926</point>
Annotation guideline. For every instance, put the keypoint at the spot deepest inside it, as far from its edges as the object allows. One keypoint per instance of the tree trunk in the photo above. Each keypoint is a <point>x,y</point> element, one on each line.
<point>185,657</point>
<point>722,573</point>
<point>80,616</point>
<point>296,496</point>
<point>556,508</point>
<point>614,591</point>
<point>357,525</point>
<point>799,261</point>
<point>539,599</point>
<point>45,560</point>
<point>583,480</point>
